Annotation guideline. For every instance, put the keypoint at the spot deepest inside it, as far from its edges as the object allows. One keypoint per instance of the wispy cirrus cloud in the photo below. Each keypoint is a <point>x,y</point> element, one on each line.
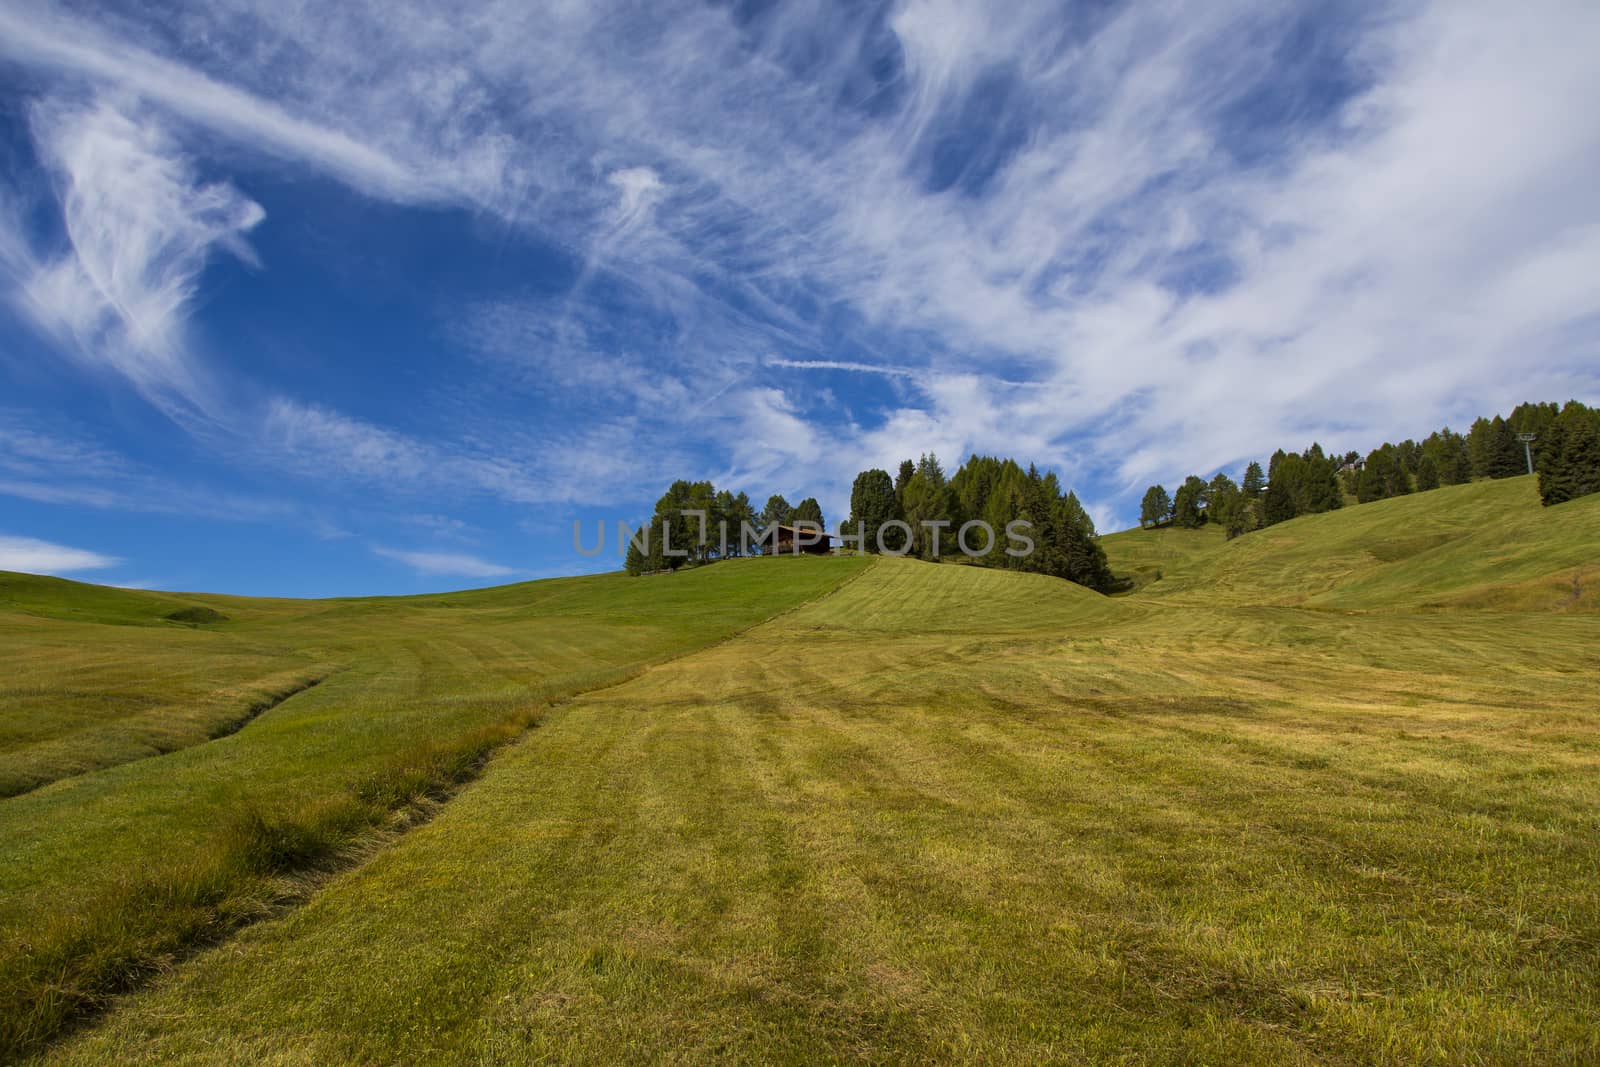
<point>1129,242</point>
<point>42,37</point>
<point>845,365</point>
<point>138,230</point>
<point>56,461</point>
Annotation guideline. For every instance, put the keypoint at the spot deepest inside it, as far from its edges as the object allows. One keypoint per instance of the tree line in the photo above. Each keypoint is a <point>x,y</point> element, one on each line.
<point>991,512</point>
<point>1565,453</point>
<point>671,538</point>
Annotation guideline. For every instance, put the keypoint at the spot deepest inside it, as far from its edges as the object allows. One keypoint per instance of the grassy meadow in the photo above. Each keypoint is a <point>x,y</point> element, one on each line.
<point>1329,792</point>
<point>106,876</point>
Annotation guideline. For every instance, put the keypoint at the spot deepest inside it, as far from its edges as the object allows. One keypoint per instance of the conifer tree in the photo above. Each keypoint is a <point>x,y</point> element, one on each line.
<point>925,500</point>
<point>1427,474</point>
<point>1318,489</point>
<point>1156,508</point>
<point>808,510</point>
<point>776,513</point>
<point>1003,505</point>
<point>873,503</point>
<point>1277,504</point>
<point>1570,457</point>
<point>1254,481</point>
<point>1187,509</point>
<point>635,562</point>
<point>902,479</point>
<point>1037,509</point>
<point>1379,476</point>
<point>1076,512</point>
<point>740,515</point>
<point>1504,456</point>
<point>1223,502</point>
<point>1581,457</point>
<point>1397,480</point>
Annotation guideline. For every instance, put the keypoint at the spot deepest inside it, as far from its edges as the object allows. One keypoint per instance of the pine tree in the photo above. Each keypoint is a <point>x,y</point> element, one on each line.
<point>1581,458</point>
<point>1156,508</point>
<point>1383,476</point>
<point>1274,463</point>
<point>1224,501</point>
<point>1427,474</point>
<point>808,510</point>
<point>1003,505</point>
<point>1507,459</point>
<point>907,469</point>
<point>1373,484</point>
<point>1254,481</point>
<point>926,500</point>
<point>873,503</point>
<point>722,525</point>
<point>1076,512</point>
<point>636,562</point>
<point>1318,489</point>
<point>1448,451</point>
<point>776,513</point>
<point>740,515</point>
<point>1080,556</point>
<point>1187,510</point>
<point>1037,509</point>
<point>974,482</point>
<point>1277,504</point>
<point>1572,468</point>
<point>1397,480</point>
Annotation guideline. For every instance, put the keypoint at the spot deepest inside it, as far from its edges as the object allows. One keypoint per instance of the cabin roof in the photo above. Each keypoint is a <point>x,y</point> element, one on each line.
<point>806,532</point>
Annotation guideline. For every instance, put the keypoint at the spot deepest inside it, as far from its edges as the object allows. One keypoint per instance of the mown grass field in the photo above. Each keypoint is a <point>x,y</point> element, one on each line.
<point>106,875</point>
<point>1326,793</point>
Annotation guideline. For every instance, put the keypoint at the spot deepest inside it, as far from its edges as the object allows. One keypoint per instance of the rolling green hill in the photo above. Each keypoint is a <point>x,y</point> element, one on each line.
<point>1485,545</point>
<point>1327,792</point>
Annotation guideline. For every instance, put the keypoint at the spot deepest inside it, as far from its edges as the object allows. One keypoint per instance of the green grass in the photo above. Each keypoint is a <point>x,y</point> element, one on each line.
<point>1484,545</point>
<point>416,690</point>
<point>1141,556</point>
<point>1326,793</point>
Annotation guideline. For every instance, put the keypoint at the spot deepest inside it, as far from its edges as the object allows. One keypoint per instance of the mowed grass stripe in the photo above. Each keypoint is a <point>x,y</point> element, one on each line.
<point>824,843</point>
<point>108,875</point>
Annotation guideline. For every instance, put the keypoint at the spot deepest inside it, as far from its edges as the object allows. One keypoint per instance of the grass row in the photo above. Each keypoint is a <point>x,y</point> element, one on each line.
<point>111,876</point>
<point>77,961</point>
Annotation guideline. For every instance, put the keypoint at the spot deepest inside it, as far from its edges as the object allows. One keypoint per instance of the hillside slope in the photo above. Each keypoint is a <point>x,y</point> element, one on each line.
<point>951,815</point>
<point>1487,545</point>
<point>418,689</point>
<point>1299,800</point>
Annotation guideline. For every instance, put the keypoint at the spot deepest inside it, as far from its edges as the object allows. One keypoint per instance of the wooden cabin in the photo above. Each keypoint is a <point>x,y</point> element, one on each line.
<point>816,542</point>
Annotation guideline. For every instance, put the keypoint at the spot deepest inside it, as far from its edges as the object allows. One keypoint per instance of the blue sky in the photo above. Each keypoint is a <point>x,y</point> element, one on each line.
<point>362,298</point>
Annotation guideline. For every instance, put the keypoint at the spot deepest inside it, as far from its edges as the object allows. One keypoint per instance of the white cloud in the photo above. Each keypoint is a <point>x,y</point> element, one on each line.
<point>640,188</point>
<point>42,557</point>
<point>322,441</point>
<point>44,38</point>
<point>457,564</point>
<point>139,229</point>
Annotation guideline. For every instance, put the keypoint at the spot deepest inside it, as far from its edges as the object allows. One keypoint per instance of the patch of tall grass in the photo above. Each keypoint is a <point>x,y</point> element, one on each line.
<point>256,862</point>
